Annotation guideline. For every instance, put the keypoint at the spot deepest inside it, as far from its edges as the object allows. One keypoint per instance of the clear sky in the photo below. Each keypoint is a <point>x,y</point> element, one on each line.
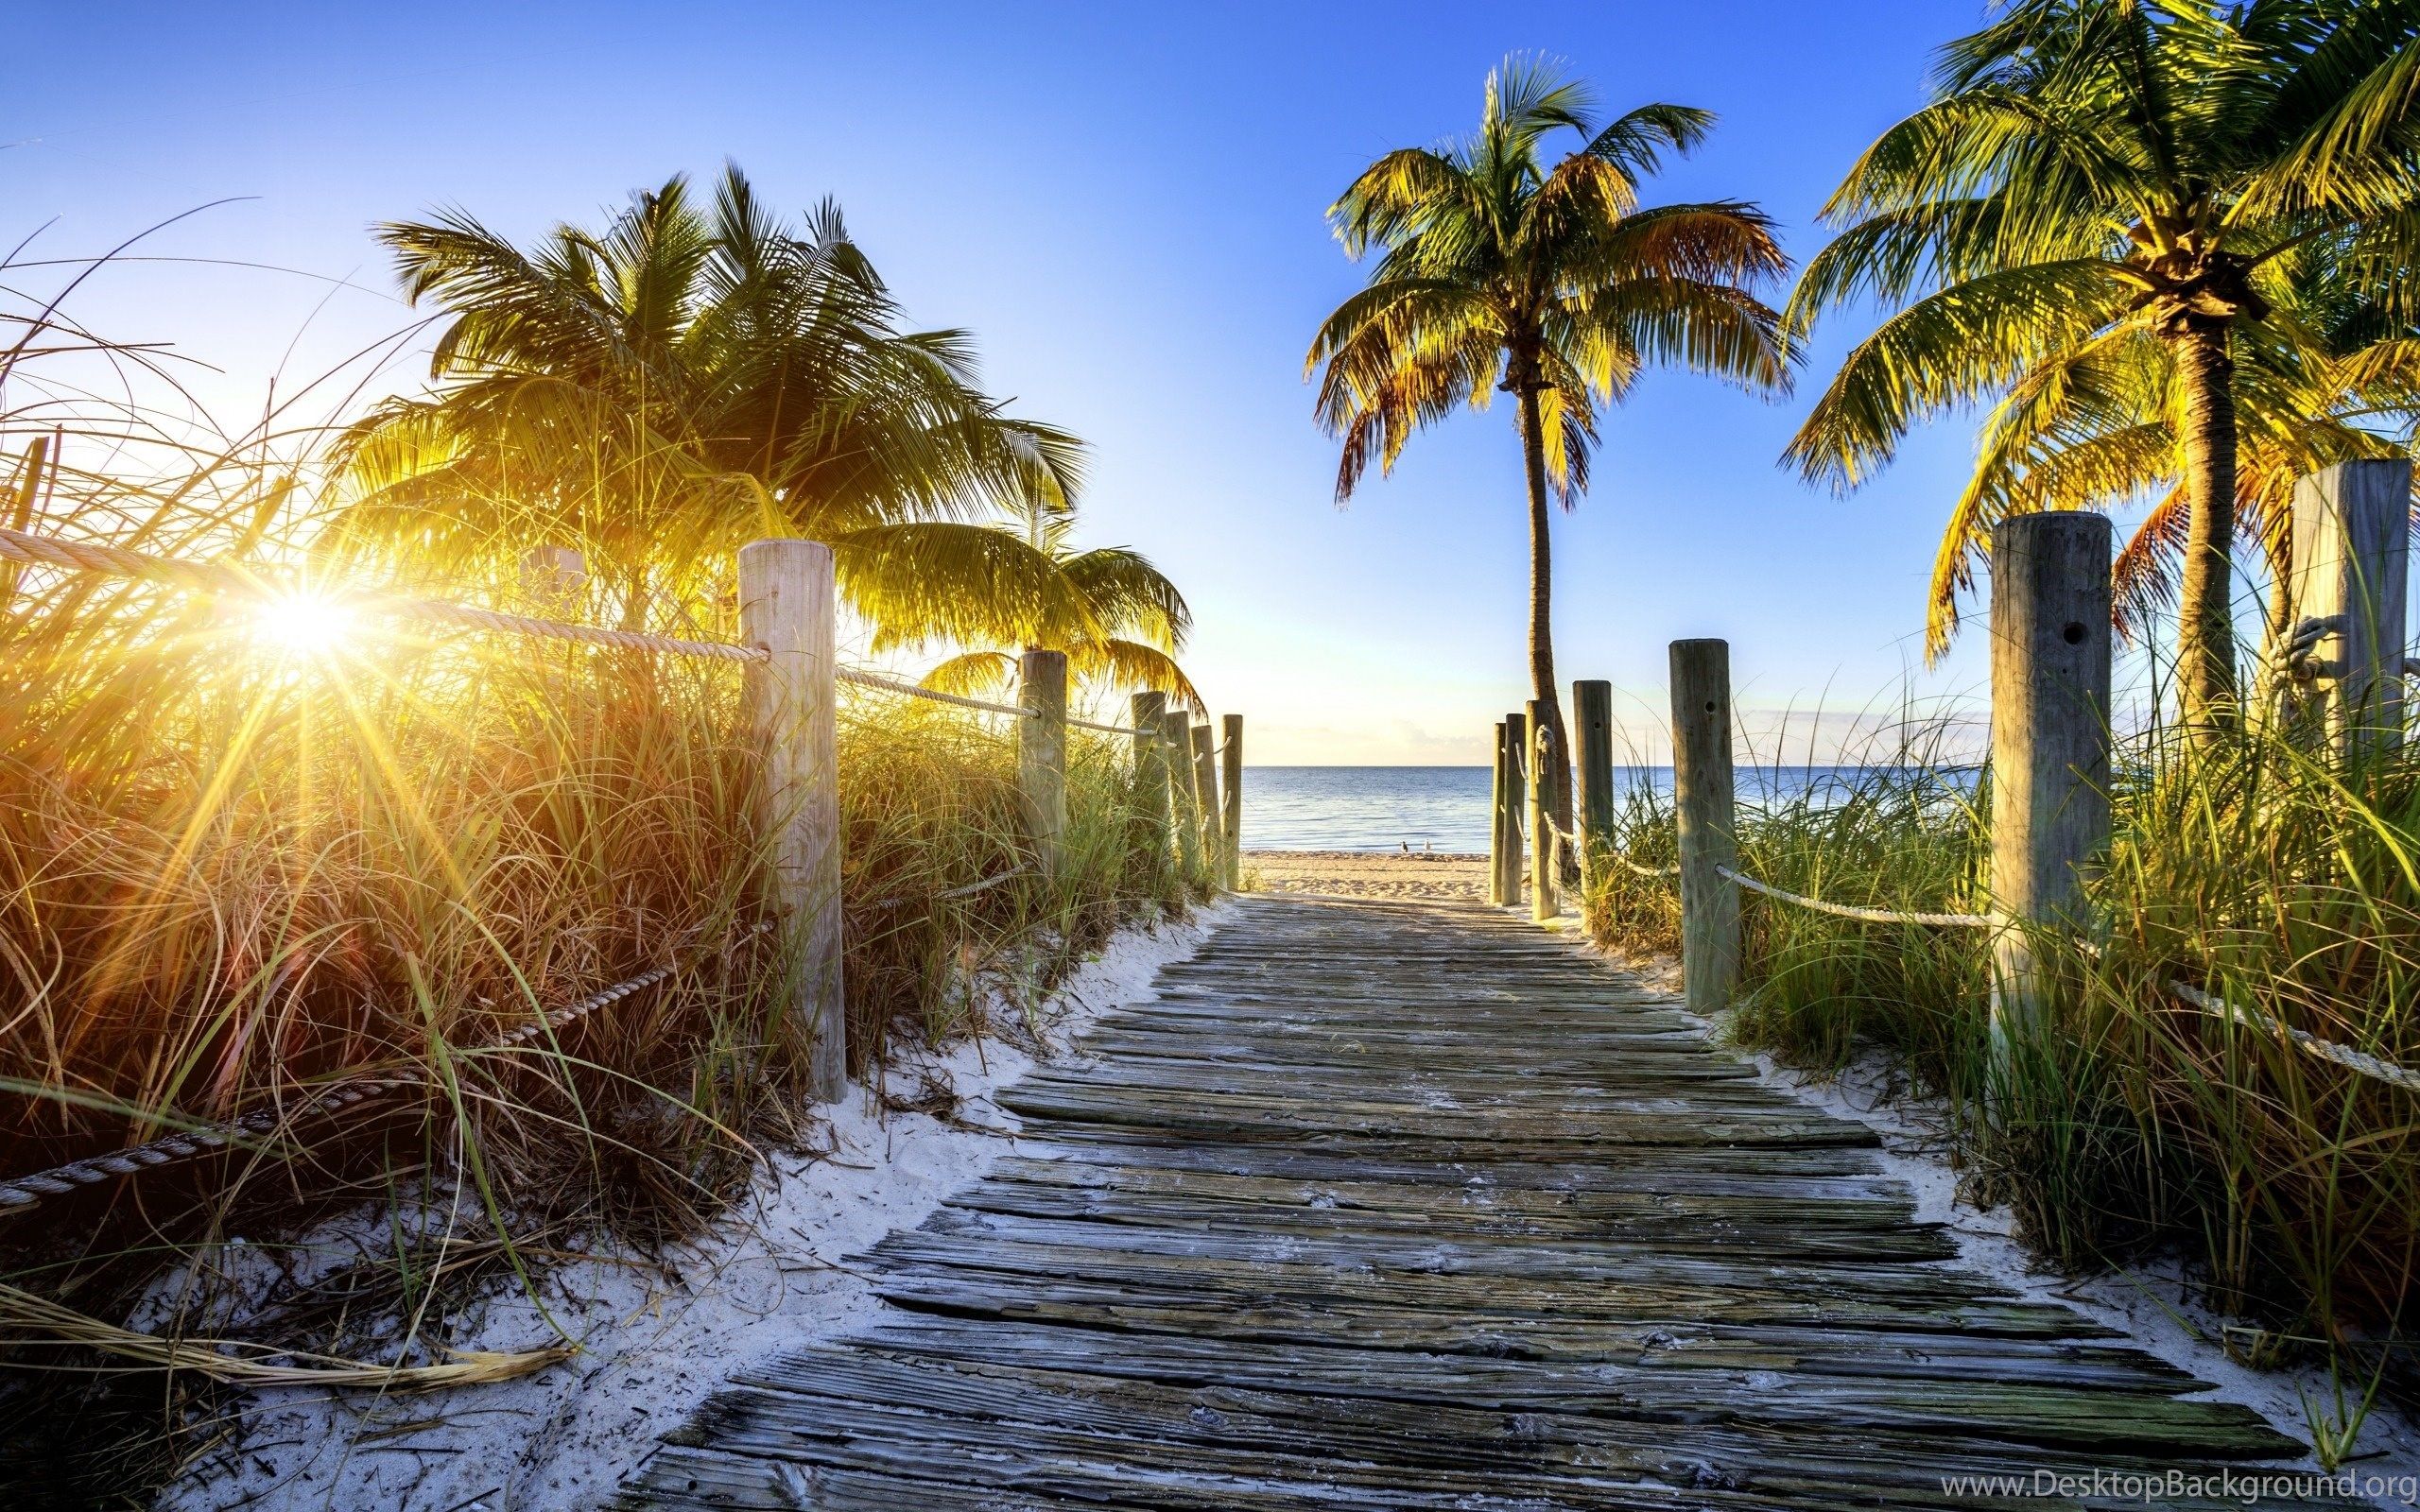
<point>1125,203</point>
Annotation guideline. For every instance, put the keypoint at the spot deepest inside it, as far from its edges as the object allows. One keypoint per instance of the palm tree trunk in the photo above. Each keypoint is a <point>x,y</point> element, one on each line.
<point>2281,606</point>
<point>2206,614</point>
<point>1542,684</point>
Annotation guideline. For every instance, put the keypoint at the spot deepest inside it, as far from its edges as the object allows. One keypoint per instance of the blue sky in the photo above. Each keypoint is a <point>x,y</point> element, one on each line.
<point>1125,203</point>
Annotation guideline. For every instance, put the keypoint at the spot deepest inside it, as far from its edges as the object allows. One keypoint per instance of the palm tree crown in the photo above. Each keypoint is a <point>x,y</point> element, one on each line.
<point>1120,620</point>
<point>1552,283</point>
<point>2094,172</point>
<point>662,390</point>
<point>2320,380</point>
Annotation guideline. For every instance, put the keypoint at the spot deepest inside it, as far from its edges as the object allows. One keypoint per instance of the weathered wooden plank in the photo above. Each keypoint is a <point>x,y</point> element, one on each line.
<point>1043,1413</point>
<point>1961,1411</point>
<point>1644,1289</point>
<point>1799,1233</point>
<point>1402,1207</point>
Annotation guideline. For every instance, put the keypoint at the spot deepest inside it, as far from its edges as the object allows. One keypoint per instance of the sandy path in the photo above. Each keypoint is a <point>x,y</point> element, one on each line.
<point>1369,874</point>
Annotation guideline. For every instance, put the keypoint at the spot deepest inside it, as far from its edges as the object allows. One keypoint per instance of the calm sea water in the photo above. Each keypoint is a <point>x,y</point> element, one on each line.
<point>1429,808</point>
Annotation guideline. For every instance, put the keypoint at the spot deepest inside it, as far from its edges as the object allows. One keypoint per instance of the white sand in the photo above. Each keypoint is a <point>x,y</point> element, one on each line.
<point>656,1338</point>
<point>1369,873</point>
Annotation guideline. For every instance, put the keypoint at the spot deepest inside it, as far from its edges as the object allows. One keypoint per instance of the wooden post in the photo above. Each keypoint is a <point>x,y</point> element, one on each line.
<point>1206,782</point>
<point>2051,641</point>
<point>1499,804</point>
<point>1592,718</point>
<point>1707,821</point>
<point>785,605</point>
<point>2352,535</point>
<point>1230,794</point>
<point>1545,905</point>
<point>1042,755</point>
<point>1516,787</point>
<point>1184,802</point>
<point>1149,721</point>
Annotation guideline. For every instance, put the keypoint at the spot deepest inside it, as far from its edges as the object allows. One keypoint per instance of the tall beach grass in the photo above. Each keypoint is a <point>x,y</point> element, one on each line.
<point>249,854</point>
<point>2254,868</point>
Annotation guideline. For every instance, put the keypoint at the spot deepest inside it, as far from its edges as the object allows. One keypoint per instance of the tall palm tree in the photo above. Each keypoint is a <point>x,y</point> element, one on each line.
<point>662,390</point>
<point>1549,282</point>
<point>2321,380</point>
<point>2093,170</point>
<point>1120,620</point>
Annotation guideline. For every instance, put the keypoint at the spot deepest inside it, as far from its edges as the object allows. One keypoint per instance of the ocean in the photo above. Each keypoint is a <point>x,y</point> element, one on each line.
<point>1428,808</point>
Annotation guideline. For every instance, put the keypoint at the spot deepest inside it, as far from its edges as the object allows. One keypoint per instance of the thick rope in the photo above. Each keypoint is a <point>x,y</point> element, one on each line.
<point>875,679</point>
<point>1871,915</point>
<point>2359,1061</point>
<point>2327,1050</point>
<point>206,577</point>
<point>1571,840</point>
<point>1113,730</point>
<point>986,884</point>
<point>18,1193</point>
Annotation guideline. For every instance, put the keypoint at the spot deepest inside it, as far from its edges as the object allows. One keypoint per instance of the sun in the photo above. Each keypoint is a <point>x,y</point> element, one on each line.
<point>302,624</point>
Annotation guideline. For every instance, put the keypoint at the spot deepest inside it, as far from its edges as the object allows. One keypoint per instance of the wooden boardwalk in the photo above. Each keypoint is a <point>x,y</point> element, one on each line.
<point>1396,1207</point>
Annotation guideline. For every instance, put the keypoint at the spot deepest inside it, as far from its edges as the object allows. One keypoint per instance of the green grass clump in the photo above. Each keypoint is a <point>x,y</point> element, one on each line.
<point>233,874</point>
<point>2253,866</point>
<point>246,856</point>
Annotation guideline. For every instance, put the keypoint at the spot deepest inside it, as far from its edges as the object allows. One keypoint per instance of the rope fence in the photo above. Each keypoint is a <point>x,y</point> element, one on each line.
<point>1022,868</point>
<point>791,606</point>
<point>861,677</point>
<point>21,1193</point>
<point>858,677</point>
<point>1116,730</point>
<point>1871,915</point>
<point>2358,1061</point>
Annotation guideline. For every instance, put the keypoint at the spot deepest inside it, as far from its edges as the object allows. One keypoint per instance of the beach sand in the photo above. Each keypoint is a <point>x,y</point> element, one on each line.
<point>1368,873</point>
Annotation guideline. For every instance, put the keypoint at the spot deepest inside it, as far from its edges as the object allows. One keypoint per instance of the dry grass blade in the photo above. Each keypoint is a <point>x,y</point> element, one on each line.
<point>26,1319</point>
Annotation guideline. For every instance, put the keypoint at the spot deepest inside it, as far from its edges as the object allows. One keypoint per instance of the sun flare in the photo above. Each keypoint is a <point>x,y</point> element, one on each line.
<point>302,624</point>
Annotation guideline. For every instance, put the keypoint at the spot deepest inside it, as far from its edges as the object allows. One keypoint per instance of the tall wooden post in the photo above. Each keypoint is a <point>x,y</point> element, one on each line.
<point>1707,821</point>
<point>2049,744</point>
<point>1149,720</point>
<point>2352,538</point>
<point>1516,791</point>
<point>1592,720</point>
<point>1206,782</point>
<point>1545,903</point>
<point>1042,755</point>
<point>1231,795</point>
<point>1500,804</point>
<point>1184,798</point>
<point>785,605</point>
